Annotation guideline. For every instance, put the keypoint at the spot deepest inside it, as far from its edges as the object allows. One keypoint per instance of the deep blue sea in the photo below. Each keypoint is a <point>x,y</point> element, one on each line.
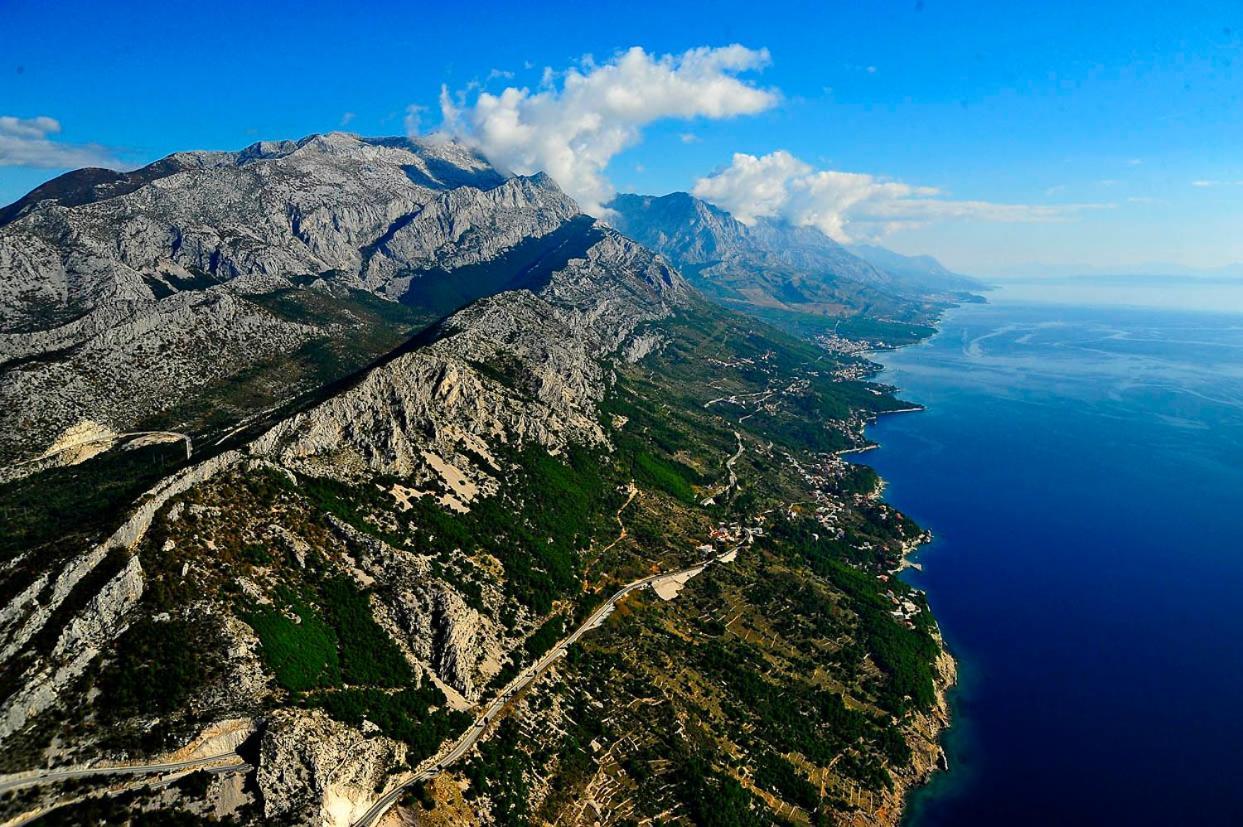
<point>1080,463</point>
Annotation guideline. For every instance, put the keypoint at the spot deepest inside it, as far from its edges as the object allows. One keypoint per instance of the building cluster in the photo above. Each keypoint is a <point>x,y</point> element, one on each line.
<point>729,534</point>
<point>904,608</point>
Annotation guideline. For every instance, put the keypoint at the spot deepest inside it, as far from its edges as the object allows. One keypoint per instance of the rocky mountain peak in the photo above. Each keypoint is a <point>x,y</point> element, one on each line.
<point>197,258</point>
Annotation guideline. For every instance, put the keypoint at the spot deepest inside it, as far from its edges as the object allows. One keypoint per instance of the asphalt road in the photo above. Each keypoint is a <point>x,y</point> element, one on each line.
<point>54,776</point>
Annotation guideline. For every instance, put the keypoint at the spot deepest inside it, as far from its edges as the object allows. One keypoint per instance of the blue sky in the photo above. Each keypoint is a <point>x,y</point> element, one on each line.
<point>1072,134</point>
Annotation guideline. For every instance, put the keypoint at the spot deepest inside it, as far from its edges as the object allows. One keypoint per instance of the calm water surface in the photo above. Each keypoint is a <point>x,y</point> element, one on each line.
<point>1082,470</point>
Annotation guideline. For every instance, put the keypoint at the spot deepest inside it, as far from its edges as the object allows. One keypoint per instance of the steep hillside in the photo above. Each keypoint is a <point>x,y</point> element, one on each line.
<point>207,287</point>
<point>340,596</point>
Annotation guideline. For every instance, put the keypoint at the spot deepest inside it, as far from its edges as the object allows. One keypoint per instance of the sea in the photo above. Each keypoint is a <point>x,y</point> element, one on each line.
<point>1080,464</point>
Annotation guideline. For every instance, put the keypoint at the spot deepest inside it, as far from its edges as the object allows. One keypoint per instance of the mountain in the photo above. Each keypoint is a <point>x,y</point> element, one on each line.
<point>702,235</point>
<point>918,271</point>
<point>209,286</point>
<point>551,538</point>
<point>796,277</point>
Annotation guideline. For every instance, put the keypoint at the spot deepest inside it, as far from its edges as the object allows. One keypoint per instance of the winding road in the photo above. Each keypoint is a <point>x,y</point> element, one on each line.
<point>464,743</point>
<point>733,477</point>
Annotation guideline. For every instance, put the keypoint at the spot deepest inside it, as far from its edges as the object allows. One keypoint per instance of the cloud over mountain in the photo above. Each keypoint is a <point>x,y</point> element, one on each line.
<point>572,129</point>
<point>847,206</point>
<point>27,142</point>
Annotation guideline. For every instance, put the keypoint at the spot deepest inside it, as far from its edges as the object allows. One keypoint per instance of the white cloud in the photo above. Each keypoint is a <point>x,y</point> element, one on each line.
<point>414,118</point>
<point>1204,183</point>
<point>579,121</point>
<point>28,128</point>
<point>753,187</point>
<point>847,206</point>
<point>689,138</point>
<point>346,118</point>
<point>27,142</point>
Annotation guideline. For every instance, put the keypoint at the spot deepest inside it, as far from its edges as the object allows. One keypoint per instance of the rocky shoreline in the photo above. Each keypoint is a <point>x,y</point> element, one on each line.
<point>926,729</point>
<point>924,735</point>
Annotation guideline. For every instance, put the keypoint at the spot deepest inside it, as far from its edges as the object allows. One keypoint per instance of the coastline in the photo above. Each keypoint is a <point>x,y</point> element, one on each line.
<point>1000,505</point>
<point>868,445</point>
<point>925,731</point>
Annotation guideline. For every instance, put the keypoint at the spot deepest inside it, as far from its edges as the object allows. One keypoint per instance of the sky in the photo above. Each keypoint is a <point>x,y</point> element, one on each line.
<point>1000,137</point>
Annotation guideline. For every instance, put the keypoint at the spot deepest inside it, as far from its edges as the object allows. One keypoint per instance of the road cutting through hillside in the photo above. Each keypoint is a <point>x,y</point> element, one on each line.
<point>108,441</point>
<point>225,763</point>
<point>471,736</point>
<point>227,760</point>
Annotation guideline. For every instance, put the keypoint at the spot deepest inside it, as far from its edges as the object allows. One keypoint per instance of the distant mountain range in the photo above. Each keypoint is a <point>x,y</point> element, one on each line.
<point>918,271</point>
<point>782,272</point>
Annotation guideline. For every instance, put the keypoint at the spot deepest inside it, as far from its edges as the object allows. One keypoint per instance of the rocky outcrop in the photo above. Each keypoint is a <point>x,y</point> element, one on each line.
<point>462,227</point>
<point>125,368</point>
<point>454,643</point>
<point>316,771</point>
<point>122,297</point>
<point>105,615</point>
<point>430,620</point>
<point>543,384</point>
<point>79,643</point>
<point>924,731</point>
<point>135,527</point>
<point>366,209</point>
<point>283,208</point>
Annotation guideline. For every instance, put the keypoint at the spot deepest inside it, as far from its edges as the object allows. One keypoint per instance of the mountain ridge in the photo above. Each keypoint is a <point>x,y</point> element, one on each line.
<point>204,266</point>
<point>795,277</point>
<point>919,270</point>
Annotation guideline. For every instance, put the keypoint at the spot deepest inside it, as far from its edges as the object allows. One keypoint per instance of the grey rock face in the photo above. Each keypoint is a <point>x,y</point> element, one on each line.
<point>430,619</point>
<point>316,771</point>
<point>79,643</point>
<point>456,650</point>
<point>280,209</point>
<point>120,294</point>
<point>132,366</point>
<point>462,227</point>
<point>123,296</point>
<point>436,399</point>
